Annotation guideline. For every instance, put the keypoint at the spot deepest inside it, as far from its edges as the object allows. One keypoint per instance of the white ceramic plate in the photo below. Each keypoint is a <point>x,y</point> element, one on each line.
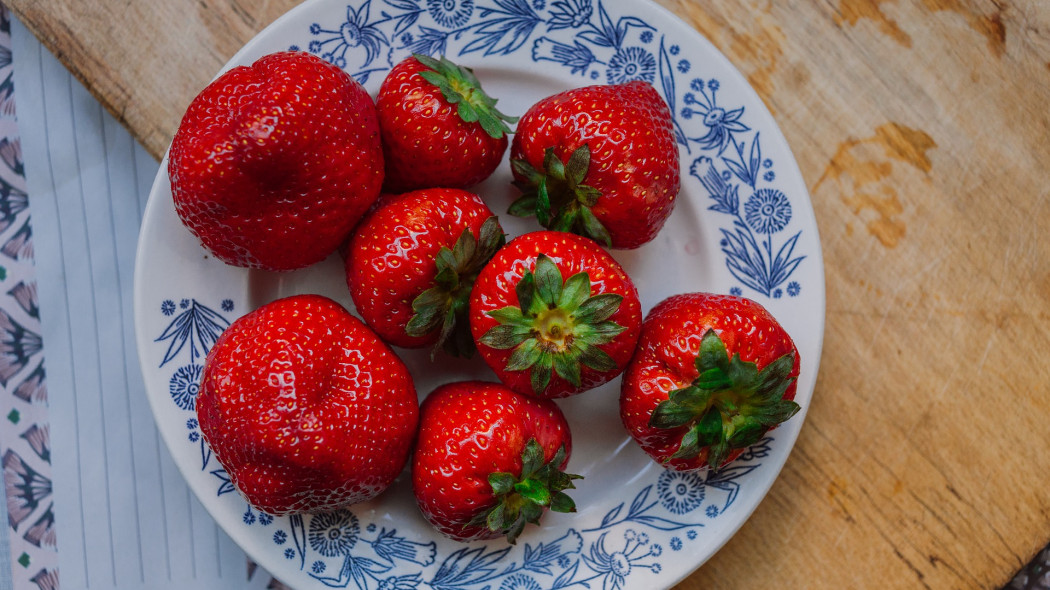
<point>744,224</point>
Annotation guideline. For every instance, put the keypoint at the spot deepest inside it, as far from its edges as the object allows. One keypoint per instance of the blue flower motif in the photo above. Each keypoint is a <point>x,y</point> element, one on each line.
<point>519,582</point>
<point>265,519</point>
<point>767,211</point>
<point>293,48</point>
<point>354,32</point>
<point>564,561</point>
<point>712,511</point>
<point>566,14</point>
<point>683,66</point>
<point>390,547</point>
<point>406,39</point>
<point>192,424</point>
<point>371,527</point>
<point>318,567</point>
<point>767,163</point>
<point>195,436</point>
<point>679,491</point>
<point>676,544</point>
<point>289,553</point>
<point>646,37</point>
<point>614,567</point>
<point>333,533</point>
<point>539,4</point>
<point>167,307</point>
<point>674,49</point>
<point>769,176</point>
<point>736,291</point>
<point>227,305</point>
<point>315,29</point>
<point>430,42</point>
<point>721,125</point>
<point>184,385</point>
<point>794,288</point>
<point>713,85</point>
<point>450,13</point>
<point>280,537</point>
<point>576,57</point>
<point>249,517</point>
<point>633,63</point>
<point>691,535</point>
<point>406,582</point>
<point>777,293</point>
<point>185,303</point>
<point>697,85</point>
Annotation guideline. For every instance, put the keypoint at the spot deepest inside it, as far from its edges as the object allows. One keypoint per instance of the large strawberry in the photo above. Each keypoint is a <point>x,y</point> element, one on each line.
<point>712,374</point>
<point>305,407</point>
<point>554,314</point>
<point>412,262</point>
<point>600,161</point>
<point>489,460</point>
<point>274,163</point>
<point>440,128</point>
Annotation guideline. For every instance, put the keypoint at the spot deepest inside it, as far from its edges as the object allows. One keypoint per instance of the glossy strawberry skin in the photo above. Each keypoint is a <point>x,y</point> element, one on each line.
<point>665,361</point>
<point>391,257</point>
<point>467,431</point>
<point>496,288</point>
<point>425,142</point>
<point>306,408</point>
<point>274,163</point>
<point>634,160</point>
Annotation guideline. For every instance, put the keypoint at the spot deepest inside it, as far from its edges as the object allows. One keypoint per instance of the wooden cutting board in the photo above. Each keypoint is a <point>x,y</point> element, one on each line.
<point>922,129</point>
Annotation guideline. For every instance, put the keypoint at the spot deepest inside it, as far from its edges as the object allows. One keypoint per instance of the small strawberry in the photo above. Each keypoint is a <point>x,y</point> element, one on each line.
<point>599,161</point>
<point>489,460</point>
<point>712,374</point>
<point>274,163</point>
<point>412,262</point>
<point>439,127</point>
<point>305,407</point>
<point>554,314</point>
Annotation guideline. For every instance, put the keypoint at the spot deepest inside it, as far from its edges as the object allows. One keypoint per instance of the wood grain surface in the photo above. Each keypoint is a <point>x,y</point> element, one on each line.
<point>922,128</point>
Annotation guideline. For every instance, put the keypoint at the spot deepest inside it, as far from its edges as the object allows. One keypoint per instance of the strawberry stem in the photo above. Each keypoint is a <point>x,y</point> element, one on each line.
<point>462,88</point>
<point>557,326</point>
<point>443,308</point>
<point>730,405</point>
<point>522,500</point>
<point>557,196</point>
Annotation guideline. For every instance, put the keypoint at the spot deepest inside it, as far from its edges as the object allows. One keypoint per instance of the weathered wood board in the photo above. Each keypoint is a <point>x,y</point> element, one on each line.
<point>922,128</point>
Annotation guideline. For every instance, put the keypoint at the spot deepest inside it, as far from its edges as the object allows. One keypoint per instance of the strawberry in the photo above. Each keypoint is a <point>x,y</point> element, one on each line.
<point>712,374</point>
<point>600,161</point>
<point>439,127</point>
<point>489,460</point>
<point>305,407</point>
<point>412,262</point>
<point>274,163</point>
<point>553,314</point>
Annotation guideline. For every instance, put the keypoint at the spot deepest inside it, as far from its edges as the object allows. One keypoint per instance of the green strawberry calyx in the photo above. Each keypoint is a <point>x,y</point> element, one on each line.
<point>730,405</point>
<point>522,500</point>
<point>557,327</point>
<point>444,307</point>
<point>462,88</point>
<point>557,196</point>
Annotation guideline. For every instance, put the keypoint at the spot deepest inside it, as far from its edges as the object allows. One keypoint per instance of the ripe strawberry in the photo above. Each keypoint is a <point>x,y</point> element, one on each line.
<point>489,460</point>
<point>274,163</point>
<point>712,374</point>
<point>554,314</point>
<point>305,407</point>
<point>599,161</point>
<point>412,262</point>
<point>439,127</point>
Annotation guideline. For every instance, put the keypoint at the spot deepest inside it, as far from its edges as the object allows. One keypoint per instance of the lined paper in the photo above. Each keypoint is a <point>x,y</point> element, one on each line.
<point>123,515</point>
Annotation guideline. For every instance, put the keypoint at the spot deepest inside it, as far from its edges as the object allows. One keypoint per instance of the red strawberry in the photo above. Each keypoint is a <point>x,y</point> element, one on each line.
<point>439,127</point>
<point>412,262</point>
<point>712,374</point>
<point>600,161</point>
<point>305,407</point>
<point>554,314</point>
<point>489,460</point>
<point>274,163</point>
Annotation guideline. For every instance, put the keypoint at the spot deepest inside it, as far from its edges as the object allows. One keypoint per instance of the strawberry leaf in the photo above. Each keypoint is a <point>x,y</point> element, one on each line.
<point>459,86</point>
